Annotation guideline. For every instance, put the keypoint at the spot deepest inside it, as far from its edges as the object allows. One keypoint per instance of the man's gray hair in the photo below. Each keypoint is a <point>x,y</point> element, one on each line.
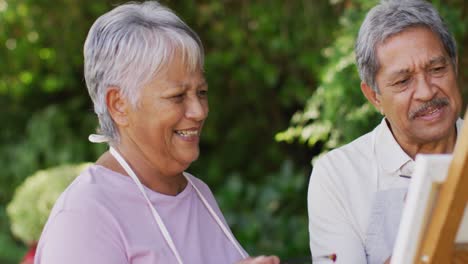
<point>391,17</point>
<point>127,47</point>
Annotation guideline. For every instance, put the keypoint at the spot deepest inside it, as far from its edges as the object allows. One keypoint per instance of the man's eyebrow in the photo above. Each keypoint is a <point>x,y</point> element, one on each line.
<point>437,60</point>
<point>398,73</point>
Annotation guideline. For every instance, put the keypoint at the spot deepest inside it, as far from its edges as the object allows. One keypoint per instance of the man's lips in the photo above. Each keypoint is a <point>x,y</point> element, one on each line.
<point>428,112</point>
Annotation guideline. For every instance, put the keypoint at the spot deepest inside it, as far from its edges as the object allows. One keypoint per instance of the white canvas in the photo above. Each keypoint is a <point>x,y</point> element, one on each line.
<point>429,172</point>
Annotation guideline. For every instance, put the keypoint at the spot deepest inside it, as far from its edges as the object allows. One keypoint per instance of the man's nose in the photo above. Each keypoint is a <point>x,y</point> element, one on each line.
<point>425,88</point>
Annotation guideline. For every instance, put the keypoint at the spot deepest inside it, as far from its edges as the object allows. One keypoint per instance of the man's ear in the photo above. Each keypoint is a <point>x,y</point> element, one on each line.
<point>117,105</point>
<point>372,96</point>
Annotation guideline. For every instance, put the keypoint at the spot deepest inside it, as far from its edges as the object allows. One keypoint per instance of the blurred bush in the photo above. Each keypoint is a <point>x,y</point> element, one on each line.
<point>268,216</point>
<point>34,198</point>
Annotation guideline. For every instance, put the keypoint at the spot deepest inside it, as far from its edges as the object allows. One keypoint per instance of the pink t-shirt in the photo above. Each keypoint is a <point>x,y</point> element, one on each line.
<point>102,218</point>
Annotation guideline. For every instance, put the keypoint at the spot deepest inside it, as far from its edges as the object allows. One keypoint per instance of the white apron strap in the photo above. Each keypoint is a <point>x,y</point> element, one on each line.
<point>156,216</point>
<point>216,217</point>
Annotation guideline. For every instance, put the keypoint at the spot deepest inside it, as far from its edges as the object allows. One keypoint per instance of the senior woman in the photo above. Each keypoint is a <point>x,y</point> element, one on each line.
<point>144,72</point>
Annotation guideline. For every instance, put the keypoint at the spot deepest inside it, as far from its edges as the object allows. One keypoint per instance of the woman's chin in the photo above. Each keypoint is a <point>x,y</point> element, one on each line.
<point>186,160</point>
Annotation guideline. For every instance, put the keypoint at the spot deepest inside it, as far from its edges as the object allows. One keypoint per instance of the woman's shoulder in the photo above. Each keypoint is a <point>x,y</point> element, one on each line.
<point>200,184</point>
<point>86,202</point>
<point>95,189</point>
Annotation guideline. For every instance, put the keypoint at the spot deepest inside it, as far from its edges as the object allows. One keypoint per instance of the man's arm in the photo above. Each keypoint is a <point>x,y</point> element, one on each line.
<point>330,227</point>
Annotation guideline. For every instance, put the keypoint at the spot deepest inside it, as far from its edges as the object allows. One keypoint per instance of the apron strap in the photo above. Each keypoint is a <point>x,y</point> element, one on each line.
<point>157,217</point>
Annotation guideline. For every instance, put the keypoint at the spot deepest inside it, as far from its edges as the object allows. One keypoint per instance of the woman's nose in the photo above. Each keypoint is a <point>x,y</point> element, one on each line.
<point>197,109</point>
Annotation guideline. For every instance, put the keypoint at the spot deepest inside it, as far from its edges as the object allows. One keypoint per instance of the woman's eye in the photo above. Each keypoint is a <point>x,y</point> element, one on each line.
<point>203,93</point>
<point>178,97</point>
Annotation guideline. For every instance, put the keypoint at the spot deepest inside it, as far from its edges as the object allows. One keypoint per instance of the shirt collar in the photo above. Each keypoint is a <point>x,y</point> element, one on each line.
<point>459,125</point>
<point>390,155</point>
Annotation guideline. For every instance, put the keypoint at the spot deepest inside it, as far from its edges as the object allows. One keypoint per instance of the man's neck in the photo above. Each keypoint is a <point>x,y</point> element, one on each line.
<point>443,146</point>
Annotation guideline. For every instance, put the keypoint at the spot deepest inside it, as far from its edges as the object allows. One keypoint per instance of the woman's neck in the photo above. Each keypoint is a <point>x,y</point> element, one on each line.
<point>168,184</point>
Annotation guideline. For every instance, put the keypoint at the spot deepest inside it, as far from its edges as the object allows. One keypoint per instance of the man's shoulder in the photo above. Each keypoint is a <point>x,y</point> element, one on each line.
<point>459,124</point>
<point>361,147</point>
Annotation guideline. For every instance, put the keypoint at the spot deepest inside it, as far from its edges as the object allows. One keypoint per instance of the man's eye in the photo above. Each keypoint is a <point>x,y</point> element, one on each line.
<point>438,69</point>
<point>401,82</point>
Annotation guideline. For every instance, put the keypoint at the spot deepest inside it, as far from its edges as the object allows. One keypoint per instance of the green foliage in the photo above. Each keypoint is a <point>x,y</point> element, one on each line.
<point>337,112</point>
<point>46,114</point>
<point>9,251</point>
<point>263,215</point>
<point>35,197</point>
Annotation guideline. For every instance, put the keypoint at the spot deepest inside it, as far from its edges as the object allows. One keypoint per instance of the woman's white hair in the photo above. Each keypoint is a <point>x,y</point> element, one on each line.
<point>127,47</point>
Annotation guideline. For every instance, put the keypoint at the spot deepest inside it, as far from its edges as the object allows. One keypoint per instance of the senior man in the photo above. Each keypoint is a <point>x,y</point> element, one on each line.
<point>407,61</point>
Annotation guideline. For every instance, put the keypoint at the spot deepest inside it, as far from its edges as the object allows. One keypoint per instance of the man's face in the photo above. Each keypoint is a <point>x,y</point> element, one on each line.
<point>418,91</point>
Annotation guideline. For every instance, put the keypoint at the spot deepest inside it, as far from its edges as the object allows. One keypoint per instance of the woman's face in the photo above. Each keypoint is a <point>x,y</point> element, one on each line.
<point>166,124</point>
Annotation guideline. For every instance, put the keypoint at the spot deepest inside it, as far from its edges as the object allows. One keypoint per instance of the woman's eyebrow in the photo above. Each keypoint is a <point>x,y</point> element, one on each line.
<point>202,84</point>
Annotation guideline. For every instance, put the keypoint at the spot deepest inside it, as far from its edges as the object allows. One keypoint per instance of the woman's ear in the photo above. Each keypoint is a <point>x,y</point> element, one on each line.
<point>372,96</point>
<point>117,105</point>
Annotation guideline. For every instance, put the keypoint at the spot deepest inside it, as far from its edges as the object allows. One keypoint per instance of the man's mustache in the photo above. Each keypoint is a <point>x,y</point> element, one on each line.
<point>436,103</point>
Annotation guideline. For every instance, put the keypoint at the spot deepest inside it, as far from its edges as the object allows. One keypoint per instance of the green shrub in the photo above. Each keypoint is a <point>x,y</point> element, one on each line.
<point>268,217</point>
